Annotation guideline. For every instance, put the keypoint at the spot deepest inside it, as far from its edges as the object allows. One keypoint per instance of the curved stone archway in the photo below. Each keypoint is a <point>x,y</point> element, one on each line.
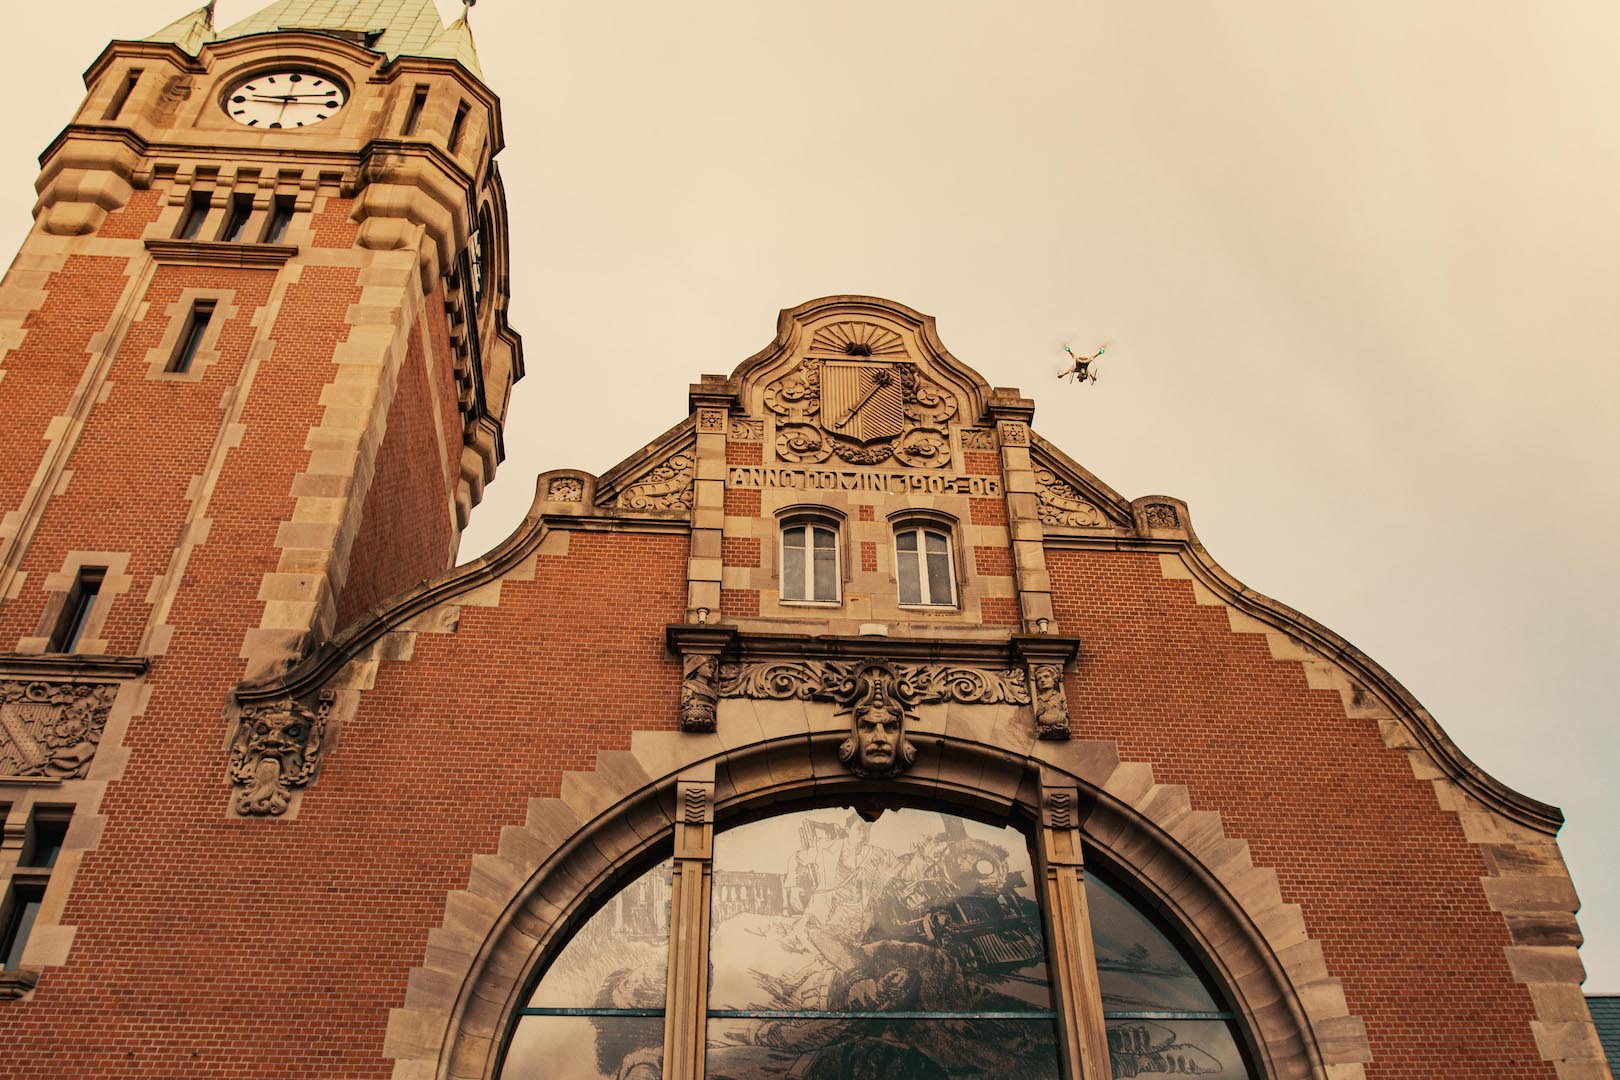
<point>523,903</point>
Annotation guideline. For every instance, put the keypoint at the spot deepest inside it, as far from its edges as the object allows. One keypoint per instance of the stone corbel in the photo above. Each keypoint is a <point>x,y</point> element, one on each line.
<point>1047,657</point>
<point>699,648</point>
<point>276,751</point>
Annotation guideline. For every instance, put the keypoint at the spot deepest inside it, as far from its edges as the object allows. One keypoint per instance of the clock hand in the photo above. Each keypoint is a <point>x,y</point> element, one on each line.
<point>880,379</point>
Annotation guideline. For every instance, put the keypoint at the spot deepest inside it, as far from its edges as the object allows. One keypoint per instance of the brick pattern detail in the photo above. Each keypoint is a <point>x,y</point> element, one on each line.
<point>869,563</point>
<point>1387,881</point>
<point>740,551</point>
<point>407,528</point>
<point>868,512</point>
<point>333,226</point>
<point>130,221</point>
<point>981,462</point>
<point>745,453</point>
<point>740,503</point>
<point>993,561</point>
<point>739,603</point>
<point>987,511</point>
<point>1000,611</point>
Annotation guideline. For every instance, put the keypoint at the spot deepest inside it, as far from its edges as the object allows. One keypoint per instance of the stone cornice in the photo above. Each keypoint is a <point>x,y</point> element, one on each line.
<point>219,253</point>
<point>72,667</point>
<point>998,651</point>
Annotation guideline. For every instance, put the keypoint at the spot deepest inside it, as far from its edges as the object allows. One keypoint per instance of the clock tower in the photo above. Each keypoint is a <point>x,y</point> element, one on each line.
<point>259,326</point>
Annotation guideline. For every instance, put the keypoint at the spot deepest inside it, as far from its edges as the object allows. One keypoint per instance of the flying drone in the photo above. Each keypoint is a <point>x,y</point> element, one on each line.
<point>1081,367</point>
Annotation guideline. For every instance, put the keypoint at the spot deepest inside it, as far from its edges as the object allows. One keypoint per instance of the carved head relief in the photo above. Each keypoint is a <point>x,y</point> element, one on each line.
<point>877,746</point>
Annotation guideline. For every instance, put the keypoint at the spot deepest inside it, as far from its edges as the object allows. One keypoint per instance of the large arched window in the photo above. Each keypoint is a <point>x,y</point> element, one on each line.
<point>908,947</point>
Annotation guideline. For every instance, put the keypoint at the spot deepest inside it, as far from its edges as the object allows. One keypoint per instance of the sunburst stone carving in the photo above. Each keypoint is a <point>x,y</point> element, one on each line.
<point>857,339</point>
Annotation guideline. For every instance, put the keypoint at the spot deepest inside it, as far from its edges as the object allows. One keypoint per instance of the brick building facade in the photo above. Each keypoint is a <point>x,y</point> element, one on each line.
<point>285,793</point>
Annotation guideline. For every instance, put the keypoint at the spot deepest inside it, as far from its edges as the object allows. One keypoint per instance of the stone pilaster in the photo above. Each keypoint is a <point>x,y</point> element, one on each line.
<point>1076,989</point>
<point>687,992</point>
<point>711,401</point>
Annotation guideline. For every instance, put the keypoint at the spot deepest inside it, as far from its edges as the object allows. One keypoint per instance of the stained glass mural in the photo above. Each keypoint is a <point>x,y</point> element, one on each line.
<point>910,946</point>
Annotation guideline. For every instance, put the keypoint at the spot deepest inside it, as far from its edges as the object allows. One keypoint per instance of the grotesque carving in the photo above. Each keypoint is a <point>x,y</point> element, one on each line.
<point>1050,703</point>
<point>277,749</point>
<point>1062,505</point>
<point>565,489</point>
<point>698,693</point>
<point>52,729</point>
<point>877,745</point>
<point>666,487</point>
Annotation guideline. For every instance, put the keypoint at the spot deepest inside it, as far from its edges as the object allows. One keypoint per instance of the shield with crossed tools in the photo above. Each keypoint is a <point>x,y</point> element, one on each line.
<point>864,402</point>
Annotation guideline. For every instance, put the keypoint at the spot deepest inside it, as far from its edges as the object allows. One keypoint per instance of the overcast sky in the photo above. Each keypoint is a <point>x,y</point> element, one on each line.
<point>1358,262</point>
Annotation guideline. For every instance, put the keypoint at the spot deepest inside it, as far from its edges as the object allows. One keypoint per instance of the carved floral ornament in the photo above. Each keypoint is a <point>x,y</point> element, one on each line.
<point>667,486</point>
<point>1062,505</point>
<point>276,750</point>
<point>51,730</point>
<point>865,406</point>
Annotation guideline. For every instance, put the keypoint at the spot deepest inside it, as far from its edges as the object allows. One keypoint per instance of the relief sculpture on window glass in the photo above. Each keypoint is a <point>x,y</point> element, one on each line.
<point>906,947</point>
<point>598,1012</point>
<point>1161,1017</point>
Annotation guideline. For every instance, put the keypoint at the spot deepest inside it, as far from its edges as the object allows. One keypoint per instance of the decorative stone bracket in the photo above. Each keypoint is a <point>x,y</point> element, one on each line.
<point>719,662</point>
<point>277,749</point>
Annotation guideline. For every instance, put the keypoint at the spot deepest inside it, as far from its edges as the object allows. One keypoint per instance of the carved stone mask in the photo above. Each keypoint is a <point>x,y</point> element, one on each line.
<point>877,745</point>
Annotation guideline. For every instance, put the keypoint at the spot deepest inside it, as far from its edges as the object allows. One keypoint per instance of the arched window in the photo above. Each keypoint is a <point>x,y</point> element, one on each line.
<point>909,947</point>
<point>924,566</point>
<point>810,570</point>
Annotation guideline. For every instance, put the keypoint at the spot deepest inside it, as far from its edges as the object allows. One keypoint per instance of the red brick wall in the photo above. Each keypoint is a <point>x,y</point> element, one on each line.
<point>1387,882</point>
<point>406,529</point>
<point>277,948</point>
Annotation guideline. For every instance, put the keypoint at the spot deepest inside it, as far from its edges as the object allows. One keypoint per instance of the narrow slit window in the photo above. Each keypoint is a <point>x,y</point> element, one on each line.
<point>236,223</point>
<point>81,600</point>
<point>281,215</point>
<point>185,350</point>
<point>121,95</point>
<point>923,562</point>
<point>413,115</point>
<point>45,844</point>
<point>19,922</point>
<point>196,211</point>
<point>810,563</point>
<point>457,126</point>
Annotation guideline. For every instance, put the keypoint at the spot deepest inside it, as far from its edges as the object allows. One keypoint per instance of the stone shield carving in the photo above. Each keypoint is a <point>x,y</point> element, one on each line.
<point>51,729</point>
<point>277,749</point>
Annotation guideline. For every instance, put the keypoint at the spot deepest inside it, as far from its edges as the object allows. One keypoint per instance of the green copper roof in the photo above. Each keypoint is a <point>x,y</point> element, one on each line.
<point>401,27</point>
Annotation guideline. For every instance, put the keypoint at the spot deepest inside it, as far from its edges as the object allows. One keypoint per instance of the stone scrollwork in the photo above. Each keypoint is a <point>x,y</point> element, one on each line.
<point>277,749</point>
<point>50,729</point>
<point>801,443</point>
<point>1062,505</point>
<point>665,487</point>
<point>915,684</point>
<point>862,407</point>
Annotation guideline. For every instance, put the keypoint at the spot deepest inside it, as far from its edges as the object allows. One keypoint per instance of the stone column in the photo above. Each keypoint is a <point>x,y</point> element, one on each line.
<point>1076,990</point>
<point>687,991</point>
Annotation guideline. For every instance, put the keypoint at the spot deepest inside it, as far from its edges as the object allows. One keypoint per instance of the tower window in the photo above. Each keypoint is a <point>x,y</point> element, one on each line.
<point>810,563</point>
<point>413,115</point>
<point>281,215</point>
<point>236,223</point>
<point>185,350</point>
<point>121,95</point>
<point>20,914</point>
<point>75,617</point>
<point>923,564</point>
<point>48,835</point>
<point>196,211</point>
<point>457,126</point>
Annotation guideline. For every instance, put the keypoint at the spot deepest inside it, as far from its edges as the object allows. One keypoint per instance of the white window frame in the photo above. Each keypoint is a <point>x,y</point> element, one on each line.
<point>921,529</point>
<point>807,586</point>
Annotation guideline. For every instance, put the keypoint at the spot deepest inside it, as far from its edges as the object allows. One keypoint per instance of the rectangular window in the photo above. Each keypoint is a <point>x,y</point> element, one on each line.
<point>20,914</point>
<point>196,211</point>
<point>923,563</point>
<point>413,115</point>
<point>185,350</point>
<point>81,600</point>
<point>46,838</point>
<point>810,564</point>
<point>236,221</point>
<point>456,127</point>
<point>121,95</point>
<point>281,215</point>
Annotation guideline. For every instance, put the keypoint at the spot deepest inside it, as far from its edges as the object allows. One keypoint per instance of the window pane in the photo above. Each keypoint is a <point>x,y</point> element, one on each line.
<point>793,567</point>
<point>771,1049</point>
<point>824,538</point>
<point>619,958</point>
<point>826,568</point>
<point>916,911</point>
<point>905,564</point>
<point>25,904</point>
<point>586,1048</point>
<point>1141,970</point>
<point>941,589</point>
<point>936,543</point>
<point>1151,1047</point>
<point>906,541</point>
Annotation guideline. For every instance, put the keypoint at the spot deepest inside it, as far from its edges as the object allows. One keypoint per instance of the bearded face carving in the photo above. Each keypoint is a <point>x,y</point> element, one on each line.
<point>277,749</point>
<point>877,746</point>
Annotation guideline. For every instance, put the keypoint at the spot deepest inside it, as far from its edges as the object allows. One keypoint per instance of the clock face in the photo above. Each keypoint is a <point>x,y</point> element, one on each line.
<point>285,99</point>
